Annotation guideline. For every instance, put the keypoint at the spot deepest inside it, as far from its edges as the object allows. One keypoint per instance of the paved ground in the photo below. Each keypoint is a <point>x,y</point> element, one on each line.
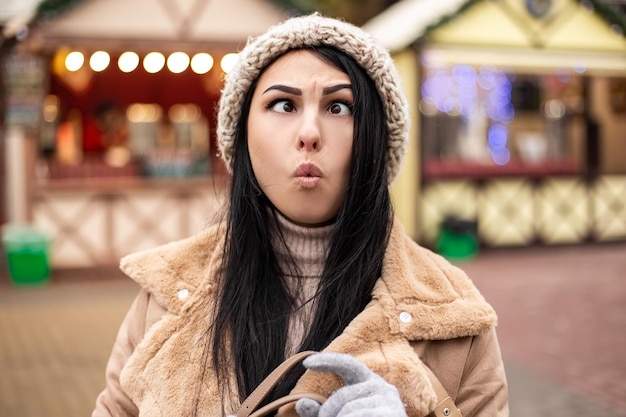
<point>562,330</point>
<point>562,327</point>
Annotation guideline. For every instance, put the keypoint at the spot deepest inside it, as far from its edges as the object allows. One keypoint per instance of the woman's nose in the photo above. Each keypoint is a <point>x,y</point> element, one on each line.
<point>309,138</point>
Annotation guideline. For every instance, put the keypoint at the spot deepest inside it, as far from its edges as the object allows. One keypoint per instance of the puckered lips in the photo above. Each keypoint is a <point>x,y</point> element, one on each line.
<point>308,175</point>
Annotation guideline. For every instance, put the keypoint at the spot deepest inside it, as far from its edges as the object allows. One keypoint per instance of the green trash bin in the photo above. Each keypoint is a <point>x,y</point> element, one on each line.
<point>27,253</point>
<point>457,239</point>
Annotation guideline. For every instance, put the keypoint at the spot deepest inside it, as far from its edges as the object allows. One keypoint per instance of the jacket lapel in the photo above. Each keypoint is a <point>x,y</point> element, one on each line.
<point>171,371</point>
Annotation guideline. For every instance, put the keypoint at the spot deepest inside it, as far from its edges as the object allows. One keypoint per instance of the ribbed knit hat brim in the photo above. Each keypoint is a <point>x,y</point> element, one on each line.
<point>312,30</point>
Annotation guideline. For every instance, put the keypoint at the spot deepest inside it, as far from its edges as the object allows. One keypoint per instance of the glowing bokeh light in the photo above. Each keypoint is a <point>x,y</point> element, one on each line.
<point>201,63</point>
<point>154,62</point>
<point>501,156</point>
<point>99,61</point>
<point>128,61</point>
<point>228,61</point>
<point>563,75</point>
<point>178,62</point>
<point>74,61</point>
<point>497,136</point>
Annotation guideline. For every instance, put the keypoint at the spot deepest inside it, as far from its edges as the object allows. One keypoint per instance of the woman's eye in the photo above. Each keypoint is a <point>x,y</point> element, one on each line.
<point>340,109</point>
<point>282,106</point>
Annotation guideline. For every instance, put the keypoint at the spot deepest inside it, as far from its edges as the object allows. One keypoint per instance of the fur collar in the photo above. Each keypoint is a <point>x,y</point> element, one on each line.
<point>441,300</point>
<point>175,272</point>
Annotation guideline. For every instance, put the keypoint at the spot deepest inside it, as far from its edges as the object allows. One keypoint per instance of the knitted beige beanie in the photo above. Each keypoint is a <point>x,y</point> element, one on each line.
<point>311,30</point>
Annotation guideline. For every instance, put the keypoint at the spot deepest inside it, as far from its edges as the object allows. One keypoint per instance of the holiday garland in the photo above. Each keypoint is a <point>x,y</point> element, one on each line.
<point>51,8</point>
<point>611,14</point>
<point>296,6</point>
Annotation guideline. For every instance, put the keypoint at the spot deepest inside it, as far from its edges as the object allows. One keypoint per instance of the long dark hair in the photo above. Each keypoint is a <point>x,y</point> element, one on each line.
<point>254,304</point>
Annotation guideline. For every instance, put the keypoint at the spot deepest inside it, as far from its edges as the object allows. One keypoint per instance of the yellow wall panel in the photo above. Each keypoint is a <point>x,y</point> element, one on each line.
<point>584,30</point>
<point>404,190</point>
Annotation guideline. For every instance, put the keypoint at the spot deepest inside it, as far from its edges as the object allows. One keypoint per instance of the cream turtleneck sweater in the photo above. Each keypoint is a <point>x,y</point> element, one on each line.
<point>308,247</point>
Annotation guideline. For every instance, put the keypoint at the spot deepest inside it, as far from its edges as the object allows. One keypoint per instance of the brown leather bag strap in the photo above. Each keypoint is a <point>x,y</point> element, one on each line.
<point>445,404</point>
<point>250,404</point>
<point>276,404</point>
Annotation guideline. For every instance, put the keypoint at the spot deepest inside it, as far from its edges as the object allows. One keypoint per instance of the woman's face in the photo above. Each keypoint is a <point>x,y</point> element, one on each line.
<point>300,136</point>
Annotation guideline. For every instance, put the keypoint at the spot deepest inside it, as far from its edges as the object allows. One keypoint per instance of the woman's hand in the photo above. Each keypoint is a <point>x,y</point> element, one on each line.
<point>366,394</point>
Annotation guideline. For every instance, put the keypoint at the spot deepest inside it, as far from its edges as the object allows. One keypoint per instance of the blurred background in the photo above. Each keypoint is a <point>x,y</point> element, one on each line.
<point>516,170</point>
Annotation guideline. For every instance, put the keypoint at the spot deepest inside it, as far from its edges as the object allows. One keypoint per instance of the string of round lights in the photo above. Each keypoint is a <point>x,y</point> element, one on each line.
<point>153,62</point>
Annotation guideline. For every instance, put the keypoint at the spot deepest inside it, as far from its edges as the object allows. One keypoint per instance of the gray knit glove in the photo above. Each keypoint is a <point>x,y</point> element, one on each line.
<point>366,394</point>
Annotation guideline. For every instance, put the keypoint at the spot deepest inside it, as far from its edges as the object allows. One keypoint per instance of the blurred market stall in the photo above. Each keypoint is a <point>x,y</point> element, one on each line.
<point>110,115</point>
<point>519,119</point>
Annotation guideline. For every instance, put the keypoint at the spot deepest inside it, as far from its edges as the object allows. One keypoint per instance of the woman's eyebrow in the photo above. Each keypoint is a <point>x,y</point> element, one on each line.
<point>285,89</point>
<point>298,92</point>
<point>335,88</point>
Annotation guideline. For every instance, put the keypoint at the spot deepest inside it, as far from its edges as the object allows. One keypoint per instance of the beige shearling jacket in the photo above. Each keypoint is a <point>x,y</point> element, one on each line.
<point>424,312</point>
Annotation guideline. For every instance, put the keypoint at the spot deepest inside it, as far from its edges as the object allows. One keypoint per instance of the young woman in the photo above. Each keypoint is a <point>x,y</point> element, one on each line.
<point>312,125</point>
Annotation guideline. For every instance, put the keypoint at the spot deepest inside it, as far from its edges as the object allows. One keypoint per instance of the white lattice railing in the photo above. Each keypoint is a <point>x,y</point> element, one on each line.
<point>95,225</point>
<point>519,211</point>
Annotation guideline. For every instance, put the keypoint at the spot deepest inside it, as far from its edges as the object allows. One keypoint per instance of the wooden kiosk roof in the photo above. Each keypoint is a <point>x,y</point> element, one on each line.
<point>505,33</point>
<point>166,23</point>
